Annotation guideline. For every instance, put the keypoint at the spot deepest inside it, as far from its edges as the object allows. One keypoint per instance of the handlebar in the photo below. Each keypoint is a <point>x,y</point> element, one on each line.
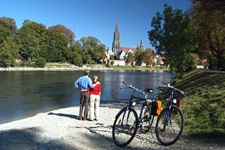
<point>168,85</point>
<point>134,88</point>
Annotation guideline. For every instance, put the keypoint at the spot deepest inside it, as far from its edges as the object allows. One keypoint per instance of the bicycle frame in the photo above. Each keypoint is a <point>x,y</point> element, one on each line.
<point>169,105</point>
<point>132,103</point>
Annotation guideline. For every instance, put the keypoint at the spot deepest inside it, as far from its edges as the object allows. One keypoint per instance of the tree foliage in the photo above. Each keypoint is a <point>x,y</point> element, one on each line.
<point>174,36</point>
<point>65,31</point>
<point>34,42</point>
<point>8,52</point>
<point>92,49</point>
<point>8,23</point>
<point>130,57</point>
<point>138,56</point>
<point>209,17</point>
<point>148,57</point>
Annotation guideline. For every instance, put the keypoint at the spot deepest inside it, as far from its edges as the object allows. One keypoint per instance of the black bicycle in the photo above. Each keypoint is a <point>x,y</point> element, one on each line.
<point>127,121</point>
<point>170,123</point>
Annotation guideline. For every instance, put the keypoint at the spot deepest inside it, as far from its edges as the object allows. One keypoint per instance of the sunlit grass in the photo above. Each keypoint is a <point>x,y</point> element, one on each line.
<point>204,107</point>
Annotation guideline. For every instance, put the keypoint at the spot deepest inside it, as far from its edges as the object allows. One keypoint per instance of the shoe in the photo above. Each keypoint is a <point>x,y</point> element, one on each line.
<point>85,119</point>
<point>80,118</point>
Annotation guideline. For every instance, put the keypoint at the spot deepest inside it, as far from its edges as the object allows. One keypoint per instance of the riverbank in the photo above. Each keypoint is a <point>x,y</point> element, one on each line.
<point>62,129</point>
<point>70,67</point>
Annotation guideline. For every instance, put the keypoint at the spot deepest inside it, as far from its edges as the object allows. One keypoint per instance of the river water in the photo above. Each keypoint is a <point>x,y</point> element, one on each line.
<point>25,93</point>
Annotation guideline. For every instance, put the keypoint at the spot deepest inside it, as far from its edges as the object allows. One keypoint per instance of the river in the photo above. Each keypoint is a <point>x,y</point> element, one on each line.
<point>25,93</point>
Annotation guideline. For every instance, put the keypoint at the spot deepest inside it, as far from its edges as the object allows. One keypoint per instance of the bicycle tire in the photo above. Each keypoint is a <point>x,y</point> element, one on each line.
<point>169,125</point>
<point>125,126</point>
<point>146,121</point>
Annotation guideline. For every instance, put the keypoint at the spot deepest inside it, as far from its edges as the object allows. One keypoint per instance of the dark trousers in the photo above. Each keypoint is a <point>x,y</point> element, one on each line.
<point>84,101</point>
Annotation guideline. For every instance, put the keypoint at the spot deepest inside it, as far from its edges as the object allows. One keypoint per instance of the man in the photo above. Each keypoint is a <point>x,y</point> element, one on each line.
<point>83,83</point>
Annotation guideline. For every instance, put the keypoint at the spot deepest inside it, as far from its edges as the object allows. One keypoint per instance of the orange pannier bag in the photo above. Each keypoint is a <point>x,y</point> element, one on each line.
<point>156,107</point>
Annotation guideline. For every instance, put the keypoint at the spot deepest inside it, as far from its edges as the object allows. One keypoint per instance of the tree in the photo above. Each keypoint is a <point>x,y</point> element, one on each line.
<point>8,23</point>
<point>138,56</point>
<point>130,57</point>
<point>174,36</point>
<point>92,49</point>
<point>56,47</point>
<point>28,43</point>
<point>76,57</point>
<point>8,52</point>
<point>149,56</point>
<point>65,31</point>
<point>209,17</point>
<point>31,38</point>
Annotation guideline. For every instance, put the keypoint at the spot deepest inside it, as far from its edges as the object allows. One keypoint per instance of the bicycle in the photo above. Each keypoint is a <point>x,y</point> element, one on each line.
<point>127,121</point>
<point>170,123</point>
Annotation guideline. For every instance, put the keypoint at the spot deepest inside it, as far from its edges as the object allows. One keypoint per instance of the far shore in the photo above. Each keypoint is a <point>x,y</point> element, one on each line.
<point>74,68</point>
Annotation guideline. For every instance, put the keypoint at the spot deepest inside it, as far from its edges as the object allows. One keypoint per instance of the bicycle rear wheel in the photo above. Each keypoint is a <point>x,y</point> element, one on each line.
<point>125,126</point>
<point>169,125</point>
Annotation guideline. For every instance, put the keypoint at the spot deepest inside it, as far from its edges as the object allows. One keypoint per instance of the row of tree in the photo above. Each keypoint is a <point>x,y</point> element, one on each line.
<point>33,41</point>
<point>185,37</point>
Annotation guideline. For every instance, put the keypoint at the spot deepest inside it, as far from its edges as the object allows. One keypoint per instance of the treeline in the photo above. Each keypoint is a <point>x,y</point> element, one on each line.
<point>187,37</point>
<point>33,42</point>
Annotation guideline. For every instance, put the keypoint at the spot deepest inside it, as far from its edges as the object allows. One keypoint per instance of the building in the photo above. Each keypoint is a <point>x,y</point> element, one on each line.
<point>116,40</point>
<point>121,52</point>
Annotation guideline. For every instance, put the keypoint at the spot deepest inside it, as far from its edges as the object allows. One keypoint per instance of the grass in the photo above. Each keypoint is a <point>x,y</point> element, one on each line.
<point>204,107</point>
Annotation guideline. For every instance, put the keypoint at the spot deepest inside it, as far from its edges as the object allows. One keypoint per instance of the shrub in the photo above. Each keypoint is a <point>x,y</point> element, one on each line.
<point>40,62</point>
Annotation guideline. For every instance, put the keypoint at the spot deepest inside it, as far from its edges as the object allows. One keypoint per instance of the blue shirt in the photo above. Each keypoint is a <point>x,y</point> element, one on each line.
<point>83,83</point>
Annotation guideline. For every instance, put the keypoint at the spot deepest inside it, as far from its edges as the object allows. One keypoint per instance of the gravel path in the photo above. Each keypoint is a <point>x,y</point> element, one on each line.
<point>62,129</point>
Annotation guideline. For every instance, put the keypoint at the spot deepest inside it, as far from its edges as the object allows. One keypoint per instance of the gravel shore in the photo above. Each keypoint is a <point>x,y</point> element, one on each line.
<point>62,129</point>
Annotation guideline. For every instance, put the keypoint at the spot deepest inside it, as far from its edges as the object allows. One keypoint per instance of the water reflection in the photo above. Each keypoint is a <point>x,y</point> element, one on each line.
<point>23,94</point>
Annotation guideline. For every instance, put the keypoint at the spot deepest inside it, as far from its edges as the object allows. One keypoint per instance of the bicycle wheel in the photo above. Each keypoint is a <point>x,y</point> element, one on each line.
<point>169,125</point>
<point>146,121</point>
<point>125,126</point>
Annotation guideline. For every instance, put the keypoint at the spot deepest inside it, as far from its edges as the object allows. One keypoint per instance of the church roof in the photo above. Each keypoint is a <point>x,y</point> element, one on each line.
<point>128,48</point>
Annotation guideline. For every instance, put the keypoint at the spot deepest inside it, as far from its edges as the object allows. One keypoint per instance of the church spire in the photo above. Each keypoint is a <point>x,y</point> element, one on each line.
<point>117,29</point>
<point>116,40</point>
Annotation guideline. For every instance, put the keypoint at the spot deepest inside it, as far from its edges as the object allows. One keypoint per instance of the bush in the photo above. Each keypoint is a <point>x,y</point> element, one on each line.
<point>40,62</point>
<point>112,62</point>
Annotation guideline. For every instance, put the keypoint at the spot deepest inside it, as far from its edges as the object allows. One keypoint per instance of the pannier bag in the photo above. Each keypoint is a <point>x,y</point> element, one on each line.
<point>156,108</point>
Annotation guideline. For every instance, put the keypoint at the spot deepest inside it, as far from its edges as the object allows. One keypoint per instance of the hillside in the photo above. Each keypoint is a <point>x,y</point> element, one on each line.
<point>204,106</point>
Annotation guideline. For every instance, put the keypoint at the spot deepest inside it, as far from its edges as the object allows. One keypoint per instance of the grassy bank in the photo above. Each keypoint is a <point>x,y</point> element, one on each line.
<point>204,107</point>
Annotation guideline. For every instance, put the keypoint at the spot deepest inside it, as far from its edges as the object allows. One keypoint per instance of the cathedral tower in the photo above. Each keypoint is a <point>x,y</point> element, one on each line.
<point>116,40</point>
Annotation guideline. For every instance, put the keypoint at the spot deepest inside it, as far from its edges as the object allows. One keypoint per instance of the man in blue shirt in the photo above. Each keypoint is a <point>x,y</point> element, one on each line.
<point>83,83</point>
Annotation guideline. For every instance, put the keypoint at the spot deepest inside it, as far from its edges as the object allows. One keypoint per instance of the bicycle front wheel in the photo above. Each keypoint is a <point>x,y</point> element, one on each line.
<point>169,125</point>
<point>125,126</point>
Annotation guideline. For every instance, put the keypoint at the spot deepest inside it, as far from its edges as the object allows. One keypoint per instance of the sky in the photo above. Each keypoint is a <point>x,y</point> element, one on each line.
<point>93,17</point>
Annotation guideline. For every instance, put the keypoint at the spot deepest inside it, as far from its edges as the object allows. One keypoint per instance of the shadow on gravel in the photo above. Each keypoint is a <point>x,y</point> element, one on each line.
<point>28,139</point>
<point>31,139</point>
<point>65,115</point>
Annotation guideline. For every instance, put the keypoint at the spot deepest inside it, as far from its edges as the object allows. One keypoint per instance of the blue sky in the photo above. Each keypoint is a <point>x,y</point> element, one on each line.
<point>93,17</point>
